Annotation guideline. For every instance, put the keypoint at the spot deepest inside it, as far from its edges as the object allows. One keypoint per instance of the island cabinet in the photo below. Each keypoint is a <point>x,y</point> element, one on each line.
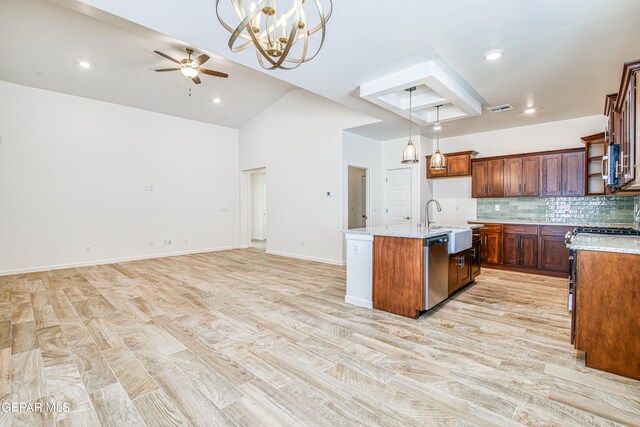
<point>459,270</point>
<point>520,245</point>
<point>398,275</point>
<point>605,321</point>
<point>487,178</point>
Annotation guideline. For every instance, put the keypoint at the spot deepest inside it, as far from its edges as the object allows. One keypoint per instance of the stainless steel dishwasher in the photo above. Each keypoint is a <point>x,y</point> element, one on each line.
<point>436,270</point>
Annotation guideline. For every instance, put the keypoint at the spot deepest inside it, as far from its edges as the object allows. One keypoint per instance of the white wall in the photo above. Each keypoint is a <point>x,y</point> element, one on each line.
<point>299,140</point>
<point>454,194</point>
<point>365,153</point>
<point>73,173</point>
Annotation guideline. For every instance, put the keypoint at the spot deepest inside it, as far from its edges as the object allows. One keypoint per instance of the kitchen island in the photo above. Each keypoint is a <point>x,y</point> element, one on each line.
<point>604,298</point>
<point>403,270</point>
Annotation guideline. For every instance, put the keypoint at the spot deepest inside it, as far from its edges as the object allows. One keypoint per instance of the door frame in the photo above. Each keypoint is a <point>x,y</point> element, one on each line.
<point>345,192</point>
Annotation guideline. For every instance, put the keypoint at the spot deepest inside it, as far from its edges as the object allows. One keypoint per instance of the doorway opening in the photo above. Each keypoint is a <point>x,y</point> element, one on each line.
<point>357,197</point>
<point>258,209</point>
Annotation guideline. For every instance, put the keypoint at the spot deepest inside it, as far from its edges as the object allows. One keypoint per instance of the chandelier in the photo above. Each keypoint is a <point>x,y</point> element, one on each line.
<point>278,29</point>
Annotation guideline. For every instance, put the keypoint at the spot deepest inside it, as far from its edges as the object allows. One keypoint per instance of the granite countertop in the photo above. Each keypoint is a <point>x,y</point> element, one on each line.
<point>576,224</point>
<point>606,243</point>
<point>412,232</point>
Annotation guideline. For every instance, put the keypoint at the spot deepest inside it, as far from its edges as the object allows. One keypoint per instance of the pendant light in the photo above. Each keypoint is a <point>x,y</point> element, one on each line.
<point>437,160</point>
<point>410,152</point>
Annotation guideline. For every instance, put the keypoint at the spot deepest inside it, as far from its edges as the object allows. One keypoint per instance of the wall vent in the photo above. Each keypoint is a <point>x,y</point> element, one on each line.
<point>500,108</point>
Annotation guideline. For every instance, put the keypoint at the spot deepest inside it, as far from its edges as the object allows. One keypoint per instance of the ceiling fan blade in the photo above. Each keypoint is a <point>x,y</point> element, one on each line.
<point>213,73</point>
<point>196,80</point>
<point>167,57</point>
<point>168,69</point>
<point>200,60</point>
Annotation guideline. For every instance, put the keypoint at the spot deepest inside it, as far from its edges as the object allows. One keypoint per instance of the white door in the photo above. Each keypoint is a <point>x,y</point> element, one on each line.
<point>399,196</point>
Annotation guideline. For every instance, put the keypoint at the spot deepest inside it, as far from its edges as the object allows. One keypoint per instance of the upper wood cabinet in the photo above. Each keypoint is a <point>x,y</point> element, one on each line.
<point>458,164</point>
<point>562,174</point>
<point>549,173</point>
<point>487,178</point>
<point>521,176</point>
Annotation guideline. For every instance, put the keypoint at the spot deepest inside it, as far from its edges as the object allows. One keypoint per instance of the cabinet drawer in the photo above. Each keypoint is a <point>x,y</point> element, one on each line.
<point>491,228</point>
<point>520,229</point>
<point>555,230</point>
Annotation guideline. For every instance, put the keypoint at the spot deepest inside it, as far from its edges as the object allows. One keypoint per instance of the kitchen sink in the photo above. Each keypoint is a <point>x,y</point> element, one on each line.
<point>459,238</point>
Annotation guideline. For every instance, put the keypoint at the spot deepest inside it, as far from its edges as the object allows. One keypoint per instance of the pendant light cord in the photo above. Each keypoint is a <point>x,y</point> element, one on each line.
<point>410,112</point>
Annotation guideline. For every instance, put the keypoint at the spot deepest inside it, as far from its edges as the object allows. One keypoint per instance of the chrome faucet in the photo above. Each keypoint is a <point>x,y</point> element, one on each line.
<point>426,211</point>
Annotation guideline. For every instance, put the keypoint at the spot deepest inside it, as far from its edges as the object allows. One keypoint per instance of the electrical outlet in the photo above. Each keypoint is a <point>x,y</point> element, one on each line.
<point>497,208</point>
<point>457,208</point>
<point>186,241</point>
<point>302,243</point>
<point>356,249</point>
<point>151,243</point>
<point>225,209</point>
<point>88,249</point>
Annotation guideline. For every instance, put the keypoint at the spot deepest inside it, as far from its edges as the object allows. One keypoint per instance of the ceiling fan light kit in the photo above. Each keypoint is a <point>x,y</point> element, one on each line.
<point>275,29</point>
<point>191,67</point>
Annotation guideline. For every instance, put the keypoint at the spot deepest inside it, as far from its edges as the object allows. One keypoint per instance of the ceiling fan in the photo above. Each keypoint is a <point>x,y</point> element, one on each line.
<point>191,67</point>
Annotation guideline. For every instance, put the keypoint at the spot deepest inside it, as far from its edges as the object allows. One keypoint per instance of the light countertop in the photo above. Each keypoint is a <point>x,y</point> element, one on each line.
<point>606,243</point>
<point>411,232</point>
<point>575,224</point>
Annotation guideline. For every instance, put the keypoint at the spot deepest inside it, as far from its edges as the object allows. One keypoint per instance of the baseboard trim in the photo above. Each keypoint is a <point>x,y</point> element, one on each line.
<point>306,258</point>
<point>113,260</point>
<point>358,302</point>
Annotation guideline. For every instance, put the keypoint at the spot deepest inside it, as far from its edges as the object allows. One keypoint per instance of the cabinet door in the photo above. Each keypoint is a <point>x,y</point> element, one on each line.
<point>493,243</point>
<point>453,273</point>
<point>554,254</point>
<point>510,249</point>
<point>479,179</point>
<point>432,173</point>
<point>459,165</point>
<point>530,176</point>
<point>528,256</point>
<point>464,272</point>
<point>513,177</point>
<point>495,178</point>
<point>475,258</point>
<point>573,174</point>
<point>551,175</point>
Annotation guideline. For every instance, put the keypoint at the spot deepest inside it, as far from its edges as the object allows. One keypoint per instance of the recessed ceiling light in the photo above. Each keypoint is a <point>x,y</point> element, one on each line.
<point>529,110</point>
<point>217,100</point>
<point>437,127</point>
<point>492,55</point>
<point>84,64</point>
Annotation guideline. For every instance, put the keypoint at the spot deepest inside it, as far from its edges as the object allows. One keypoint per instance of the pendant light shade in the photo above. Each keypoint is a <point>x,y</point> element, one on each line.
<point>438,161</point>
<point>410,152</point>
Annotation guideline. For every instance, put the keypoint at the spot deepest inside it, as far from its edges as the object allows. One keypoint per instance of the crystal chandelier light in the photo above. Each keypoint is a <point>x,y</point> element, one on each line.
<point>278,29</point>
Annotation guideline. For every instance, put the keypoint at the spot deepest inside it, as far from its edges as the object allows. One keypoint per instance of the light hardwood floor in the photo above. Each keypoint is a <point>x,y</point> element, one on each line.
<point>241,337</point>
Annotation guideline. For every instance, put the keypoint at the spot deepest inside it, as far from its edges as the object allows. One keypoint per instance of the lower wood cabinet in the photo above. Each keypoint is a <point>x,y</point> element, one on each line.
<point>476,249</point>
<point>459,270</point>
<point>491,244</point>
<point>520,246</point>
<point>529,248</point>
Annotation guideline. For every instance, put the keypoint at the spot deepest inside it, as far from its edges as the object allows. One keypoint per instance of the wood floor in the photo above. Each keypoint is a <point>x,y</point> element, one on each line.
<point>245,338</point>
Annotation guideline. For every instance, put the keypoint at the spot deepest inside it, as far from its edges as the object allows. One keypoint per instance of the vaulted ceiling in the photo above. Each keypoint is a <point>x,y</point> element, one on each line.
<point>560,56</point>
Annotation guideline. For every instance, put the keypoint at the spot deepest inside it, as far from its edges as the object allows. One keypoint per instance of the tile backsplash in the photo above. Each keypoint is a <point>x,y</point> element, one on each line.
<point>560,210</point>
